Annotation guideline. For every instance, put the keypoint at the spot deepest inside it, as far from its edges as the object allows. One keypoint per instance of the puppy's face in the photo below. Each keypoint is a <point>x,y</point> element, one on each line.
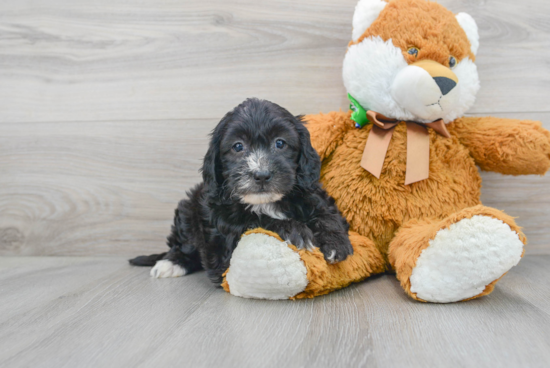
<point>263,153</point>
<point>259,155</point>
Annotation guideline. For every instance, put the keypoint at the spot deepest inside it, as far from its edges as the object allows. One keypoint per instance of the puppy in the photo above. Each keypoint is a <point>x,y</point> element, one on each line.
<point>260,171</point>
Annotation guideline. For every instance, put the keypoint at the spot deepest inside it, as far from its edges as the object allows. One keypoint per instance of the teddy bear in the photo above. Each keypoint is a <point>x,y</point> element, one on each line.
<point>401,166</point>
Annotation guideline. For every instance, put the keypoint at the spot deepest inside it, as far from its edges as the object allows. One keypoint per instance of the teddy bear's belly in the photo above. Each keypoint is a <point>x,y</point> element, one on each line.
<point>376,208</point>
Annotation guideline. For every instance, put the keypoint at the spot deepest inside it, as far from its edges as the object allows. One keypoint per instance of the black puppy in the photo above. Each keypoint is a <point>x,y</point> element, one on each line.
<point>260,171</point>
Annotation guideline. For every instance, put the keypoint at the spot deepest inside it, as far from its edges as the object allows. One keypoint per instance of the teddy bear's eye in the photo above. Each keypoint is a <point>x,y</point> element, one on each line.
<point>413,51</point>
<point>452,62</point>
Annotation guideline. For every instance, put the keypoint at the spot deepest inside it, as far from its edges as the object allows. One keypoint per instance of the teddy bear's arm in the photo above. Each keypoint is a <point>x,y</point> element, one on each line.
<point>327,130</point>
<point>506,146</point>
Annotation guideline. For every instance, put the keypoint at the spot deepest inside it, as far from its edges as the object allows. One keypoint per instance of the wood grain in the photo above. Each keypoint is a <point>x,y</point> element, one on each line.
<point>95,189</point>
<point>105,106</point>
<point>65,60</point>
<point>90,312</point>
<point>110,188</point>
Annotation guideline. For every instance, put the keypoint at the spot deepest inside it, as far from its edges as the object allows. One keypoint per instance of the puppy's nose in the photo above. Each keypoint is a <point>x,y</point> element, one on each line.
<point>262,176</point>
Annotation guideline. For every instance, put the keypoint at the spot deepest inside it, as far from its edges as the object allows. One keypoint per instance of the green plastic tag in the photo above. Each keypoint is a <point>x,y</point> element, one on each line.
<point>359,114</point>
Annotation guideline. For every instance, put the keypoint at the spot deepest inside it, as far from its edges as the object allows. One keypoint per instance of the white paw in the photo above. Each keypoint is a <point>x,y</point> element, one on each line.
<point>463,259</point>
<point>263,267</point>
<point>165,268</point>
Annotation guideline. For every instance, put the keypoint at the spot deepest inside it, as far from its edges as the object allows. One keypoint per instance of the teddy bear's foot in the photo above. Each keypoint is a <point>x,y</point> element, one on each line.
<point>265,267</point>
<point>458,258</point>
<point>463,259</point>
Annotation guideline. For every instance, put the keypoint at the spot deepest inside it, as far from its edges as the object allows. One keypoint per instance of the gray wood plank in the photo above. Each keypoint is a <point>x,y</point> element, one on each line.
<point>65,60</point>
<point>110,188</point>
<point>109,60</point>
<point>70,189</point>
<point>95,317</point>
<point>525,281</point>
<point>106,313</point>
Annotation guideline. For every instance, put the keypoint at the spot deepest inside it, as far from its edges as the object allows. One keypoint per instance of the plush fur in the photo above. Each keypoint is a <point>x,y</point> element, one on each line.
<point>281,270</point>
<point>260,170</point>
<point>394,226</point>
<point>365,13</point>
<point>390,71</point>
<point>464,258</point>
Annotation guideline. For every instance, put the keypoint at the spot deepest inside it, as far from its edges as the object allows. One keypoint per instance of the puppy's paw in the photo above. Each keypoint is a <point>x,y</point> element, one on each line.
<point>333,256</point>
<point>165,268</point>
<point>300,241</point>
<point>297,234</point>
<point>336,250</point>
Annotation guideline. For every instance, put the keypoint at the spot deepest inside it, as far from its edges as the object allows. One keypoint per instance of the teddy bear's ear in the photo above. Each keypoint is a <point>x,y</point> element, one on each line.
<point>366,12</point>
<point>469,26</point>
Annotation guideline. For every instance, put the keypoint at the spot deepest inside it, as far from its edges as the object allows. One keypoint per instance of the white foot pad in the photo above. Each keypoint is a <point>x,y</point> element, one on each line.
<point>165,268</point>
<point>464,258</point>
<point>263,267</point>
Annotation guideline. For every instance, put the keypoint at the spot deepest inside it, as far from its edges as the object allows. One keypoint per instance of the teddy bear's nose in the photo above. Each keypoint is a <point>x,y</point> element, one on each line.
<point>445,84</point>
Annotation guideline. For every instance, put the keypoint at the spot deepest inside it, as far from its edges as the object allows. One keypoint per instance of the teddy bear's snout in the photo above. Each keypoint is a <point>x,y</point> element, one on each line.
<point>427,89</point>
<point>445,84</point>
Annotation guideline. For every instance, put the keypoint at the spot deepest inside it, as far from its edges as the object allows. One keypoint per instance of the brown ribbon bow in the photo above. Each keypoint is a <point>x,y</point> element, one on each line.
<point>418,146</point>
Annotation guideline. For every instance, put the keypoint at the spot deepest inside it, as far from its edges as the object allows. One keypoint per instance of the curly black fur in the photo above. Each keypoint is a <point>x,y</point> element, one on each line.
<point>272,182</point>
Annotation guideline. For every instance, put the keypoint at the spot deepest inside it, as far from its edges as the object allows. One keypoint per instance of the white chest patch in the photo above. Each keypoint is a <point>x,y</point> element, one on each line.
<point>267,209</point>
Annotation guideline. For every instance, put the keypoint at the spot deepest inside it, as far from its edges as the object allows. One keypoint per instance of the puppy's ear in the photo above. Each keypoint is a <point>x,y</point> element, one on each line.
<point>212,165</point>
<point>309,163</point>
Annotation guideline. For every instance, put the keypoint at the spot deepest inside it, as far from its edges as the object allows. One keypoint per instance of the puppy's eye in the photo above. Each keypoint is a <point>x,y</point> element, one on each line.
<point>280,144</point>
<point>413,51</point>
<point>238,147</point>
<point>452,62</point>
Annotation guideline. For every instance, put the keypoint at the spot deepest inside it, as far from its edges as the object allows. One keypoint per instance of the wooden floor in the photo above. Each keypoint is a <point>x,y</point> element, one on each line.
<point>101,312</point>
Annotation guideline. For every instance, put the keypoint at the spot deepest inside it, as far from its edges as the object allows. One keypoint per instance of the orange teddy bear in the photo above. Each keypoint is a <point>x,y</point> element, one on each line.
<point>401,166</point>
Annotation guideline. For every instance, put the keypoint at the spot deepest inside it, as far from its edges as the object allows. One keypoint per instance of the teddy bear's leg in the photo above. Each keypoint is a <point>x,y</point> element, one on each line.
<point>263,266</point>
<point>458,258</point>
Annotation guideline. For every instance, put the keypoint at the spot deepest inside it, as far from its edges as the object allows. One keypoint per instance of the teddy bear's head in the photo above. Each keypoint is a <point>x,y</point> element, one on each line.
<point>411,60</point>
